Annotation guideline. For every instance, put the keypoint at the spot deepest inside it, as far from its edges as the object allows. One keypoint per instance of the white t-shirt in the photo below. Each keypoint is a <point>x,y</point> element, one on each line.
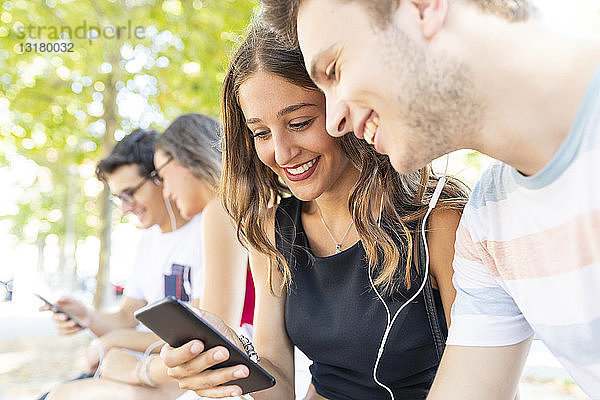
<point>168,264</point>
<point>528,254</point>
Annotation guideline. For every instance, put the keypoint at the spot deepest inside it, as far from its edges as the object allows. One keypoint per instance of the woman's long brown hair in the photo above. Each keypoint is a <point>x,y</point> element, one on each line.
<point>250,188</point>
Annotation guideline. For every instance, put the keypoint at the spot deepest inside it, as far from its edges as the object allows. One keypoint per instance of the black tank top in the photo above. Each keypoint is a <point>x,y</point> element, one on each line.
<point>333,316</point>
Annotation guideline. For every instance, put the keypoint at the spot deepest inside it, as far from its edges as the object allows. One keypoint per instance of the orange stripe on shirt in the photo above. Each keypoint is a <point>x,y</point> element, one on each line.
<point>546,253</point>
<point>473,251</point>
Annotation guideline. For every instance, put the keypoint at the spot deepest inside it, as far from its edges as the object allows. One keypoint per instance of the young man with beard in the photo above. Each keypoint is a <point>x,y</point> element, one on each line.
<point>422,78</point>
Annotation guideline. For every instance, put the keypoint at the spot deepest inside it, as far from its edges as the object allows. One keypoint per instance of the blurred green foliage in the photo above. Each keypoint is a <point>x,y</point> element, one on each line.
<point>61,111</point>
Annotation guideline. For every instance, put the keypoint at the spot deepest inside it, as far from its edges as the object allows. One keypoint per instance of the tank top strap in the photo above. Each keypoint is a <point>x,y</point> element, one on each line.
<point>438,332</point>
<point>287,234</point>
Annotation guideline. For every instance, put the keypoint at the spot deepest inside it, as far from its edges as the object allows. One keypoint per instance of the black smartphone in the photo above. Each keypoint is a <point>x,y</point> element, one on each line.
<point>57,309</point>
<point>176,323</point>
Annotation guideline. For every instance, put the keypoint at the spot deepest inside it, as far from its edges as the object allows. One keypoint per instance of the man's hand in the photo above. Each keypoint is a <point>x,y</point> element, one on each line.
<point>92,356</point>
<point>101,345</point>
<point>76,309</point>
<point>120,366</point>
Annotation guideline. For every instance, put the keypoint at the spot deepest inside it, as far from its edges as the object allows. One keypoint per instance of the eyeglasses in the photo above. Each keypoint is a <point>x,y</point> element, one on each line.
<point>154,174</point>
<point>126,197</point>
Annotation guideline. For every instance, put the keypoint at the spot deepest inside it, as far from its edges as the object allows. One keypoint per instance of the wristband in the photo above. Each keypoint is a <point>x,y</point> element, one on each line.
<point>249,348</point>
<point>138,369</point>
<point>146,381</point>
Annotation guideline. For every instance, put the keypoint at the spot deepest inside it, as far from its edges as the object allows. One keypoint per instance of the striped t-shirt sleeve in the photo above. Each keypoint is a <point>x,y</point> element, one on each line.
<point>483,314</point>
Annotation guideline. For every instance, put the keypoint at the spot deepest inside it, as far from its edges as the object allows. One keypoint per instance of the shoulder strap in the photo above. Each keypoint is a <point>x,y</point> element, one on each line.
<point>287,216</point>
<point>439,337</point>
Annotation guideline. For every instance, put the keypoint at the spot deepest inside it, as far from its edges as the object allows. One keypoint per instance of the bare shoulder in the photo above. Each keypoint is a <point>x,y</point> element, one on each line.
<point>219,229</point>
<point>214,213</point>
<point>441,236</point>
<point>444,221</point>
<point>260,262</point>
<point>270,224</point>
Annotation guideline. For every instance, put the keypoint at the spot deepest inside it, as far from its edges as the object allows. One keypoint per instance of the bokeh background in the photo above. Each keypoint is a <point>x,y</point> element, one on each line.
<point>60,112</point>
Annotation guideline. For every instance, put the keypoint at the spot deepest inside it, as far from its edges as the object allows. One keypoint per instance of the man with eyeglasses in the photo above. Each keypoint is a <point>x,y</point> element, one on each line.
<point>168,262</point>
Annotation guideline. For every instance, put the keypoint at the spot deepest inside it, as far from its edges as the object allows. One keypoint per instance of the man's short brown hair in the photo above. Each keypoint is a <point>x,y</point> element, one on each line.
<point>282,15</point>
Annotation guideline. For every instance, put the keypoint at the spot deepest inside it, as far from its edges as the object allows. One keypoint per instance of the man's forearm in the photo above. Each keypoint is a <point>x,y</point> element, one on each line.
<point>130,339</point>
<point>473,373</point>
<point>102,323</point>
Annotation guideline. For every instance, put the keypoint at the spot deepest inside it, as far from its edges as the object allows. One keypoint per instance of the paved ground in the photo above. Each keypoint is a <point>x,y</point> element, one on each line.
<point>33,359</point>
<point>31,366</point>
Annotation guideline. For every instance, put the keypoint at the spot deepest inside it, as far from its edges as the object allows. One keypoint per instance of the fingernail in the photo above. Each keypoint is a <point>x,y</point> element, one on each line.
<point>236,392</point>
<point>196,348</point>
<point>239,373</point>
<point>220,355</point>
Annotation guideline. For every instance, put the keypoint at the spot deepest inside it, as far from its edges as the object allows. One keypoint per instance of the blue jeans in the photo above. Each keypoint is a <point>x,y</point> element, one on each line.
<point>82,376</point>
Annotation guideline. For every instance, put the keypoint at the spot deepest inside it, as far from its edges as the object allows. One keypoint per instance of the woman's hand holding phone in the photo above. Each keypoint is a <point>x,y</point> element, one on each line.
<point>189,363</point>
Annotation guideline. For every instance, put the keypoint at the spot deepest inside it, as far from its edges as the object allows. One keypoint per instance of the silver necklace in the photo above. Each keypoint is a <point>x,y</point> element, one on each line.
<point>338,246</point>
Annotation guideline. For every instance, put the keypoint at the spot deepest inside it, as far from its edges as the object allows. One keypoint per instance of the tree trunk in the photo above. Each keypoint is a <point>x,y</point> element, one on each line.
<point>103,275</point>
<point>110,116</point>
<point>70,266</point>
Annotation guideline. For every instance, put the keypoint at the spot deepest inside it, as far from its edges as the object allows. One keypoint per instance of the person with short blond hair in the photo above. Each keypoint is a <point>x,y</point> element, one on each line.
<point>421,78</point>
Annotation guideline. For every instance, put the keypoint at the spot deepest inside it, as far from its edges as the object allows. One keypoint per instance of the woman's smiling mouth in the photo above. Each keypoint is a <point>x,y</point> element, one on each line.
<point>302,171</point>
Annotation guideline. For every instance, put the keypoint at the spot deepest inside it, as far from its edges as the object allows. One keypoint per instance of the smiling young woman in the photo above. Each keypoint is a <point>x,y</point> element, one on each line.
<point>308,206</point>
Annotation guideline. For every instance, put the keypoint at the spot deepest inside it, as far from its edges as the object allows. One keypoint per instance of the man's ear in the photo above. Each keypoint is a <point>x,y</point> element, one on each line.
<point>433,14</point>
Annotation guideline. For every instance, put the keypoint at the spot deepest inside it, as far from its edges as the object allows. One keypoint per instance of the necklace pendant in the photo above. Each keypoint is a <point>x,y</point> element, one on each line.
<point>338,248</point>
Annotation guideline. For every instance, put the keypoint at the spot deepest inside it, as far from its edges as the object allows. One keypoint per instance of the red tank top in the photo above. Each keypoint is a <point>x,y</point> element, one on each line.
<point>248,312</point>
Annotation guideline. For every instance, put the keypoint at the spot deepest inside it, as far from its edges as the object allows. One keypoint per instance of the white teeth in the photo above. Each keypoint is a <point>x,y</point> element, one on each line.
<point>370,129</point>
<point>302,168</point>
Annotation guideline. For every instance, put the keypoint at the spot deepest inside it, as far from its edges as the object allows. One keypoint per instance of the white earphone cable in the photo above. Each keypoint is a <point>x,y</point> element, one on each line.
<point>171,214</point>
<point>434,198</point>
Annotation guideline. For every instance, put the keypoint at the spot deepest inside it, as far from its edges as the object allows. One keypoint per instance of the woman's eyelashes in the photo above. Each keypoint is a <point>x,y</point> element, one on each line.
<point>260,134</point>
<point>295,126</point>
<point>301,125</point>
